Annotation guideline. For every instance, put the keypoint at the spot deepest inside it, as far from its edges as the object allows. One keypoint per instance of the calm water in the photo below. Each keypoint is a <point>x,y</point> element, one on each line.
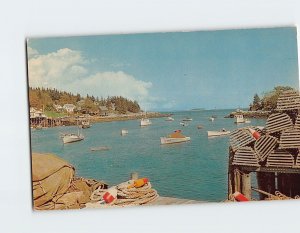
<point>194,170</point>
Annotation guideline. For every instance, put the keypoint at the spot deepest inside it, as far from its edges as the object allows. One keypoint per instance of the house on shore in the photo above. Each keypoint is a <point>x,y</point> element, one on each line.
<point>69,108</point>
<point>103,111</point>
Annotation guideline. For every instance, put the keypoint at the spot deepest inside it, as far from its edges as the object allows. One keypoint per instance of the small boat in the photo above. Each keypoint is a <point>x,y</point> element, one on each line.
<point>175,137</point>
<point>72,137</point>
<point>247,121</point>
<point>217,133</point>
<point>212,119</point>
<point>170,119</point>
<point>124,132</point>
<point>69,138</point>
<point>183,123</point>
<point>145,122</point>
<point>199,126</point>
<point>100,148</point>
<point>239,119</point>
<point>187,119</point>
<point>85,124</point>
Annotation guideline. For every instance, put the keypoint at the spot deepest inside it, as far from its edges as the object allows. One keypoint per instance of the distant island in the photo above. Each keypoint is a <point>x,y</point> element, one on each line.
<point>197,109</point>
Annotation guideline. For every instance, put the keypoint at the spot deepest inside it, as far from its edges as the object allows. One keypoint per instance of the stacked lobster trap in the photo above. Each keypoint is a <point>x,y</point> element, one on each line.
<point>273,148</point>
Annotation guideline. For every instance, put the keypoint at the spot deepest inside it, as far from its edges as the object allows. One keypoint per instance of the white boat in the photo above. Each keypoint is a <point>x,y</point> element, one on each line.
<point>100,148</point>
<point>183,123</point>
<point>217,133</point>
<point>69,138</point>
<point>239,119</point>
<point>145,122</point>
<point>187,119</point>
<point>170,119</point>
<point>72,137</point>
<point>175,137</point>
<point>211,118</point>
<point>247,121</point>
<point>124,132</point>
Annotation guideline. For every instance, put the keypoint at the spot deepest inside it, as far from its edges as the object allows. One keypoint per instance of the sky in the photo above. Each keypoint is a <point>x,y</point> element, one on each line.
<point>169,71</point>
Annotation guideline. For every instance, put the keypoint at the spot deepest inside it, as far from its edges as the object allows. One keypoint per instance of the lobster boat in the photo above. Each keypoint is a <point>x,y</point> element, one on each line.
<point>175,137</point>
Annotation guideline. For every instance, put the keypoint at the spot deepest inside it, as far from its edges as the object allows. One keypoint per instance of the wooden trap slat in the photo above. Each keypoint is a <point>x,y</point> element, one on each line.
<point>277,122</point>
<point>297,123</point>
<point>280,158</point>
<point>290,139</point>
<point>264,146</point>
<point>297,164</point>
<point>240,137</point>
<point>245,156</point>
<point>288,100</point>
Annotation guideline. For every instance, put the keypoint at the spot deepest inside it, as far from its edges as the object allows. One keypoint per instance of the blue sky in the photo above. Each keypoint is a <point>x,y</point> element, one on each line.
<point>169,71</point>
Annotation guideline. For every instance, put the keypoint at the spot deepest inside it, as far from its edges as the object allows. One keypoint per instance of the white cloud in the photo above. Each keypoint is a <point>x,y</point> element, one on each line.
<point>56,69</point>
<point>31,52</point>
<point>67,70</point>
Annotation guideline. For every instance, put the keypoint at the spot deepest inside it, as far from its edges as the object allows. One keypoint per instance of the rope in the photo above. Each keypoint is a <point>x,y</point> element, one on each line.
<point>127,196</point>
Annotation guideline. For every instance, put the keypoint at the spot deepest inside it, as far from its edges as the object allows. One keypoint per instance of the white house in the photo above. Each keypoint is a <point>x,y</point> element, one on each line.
<point>58,107</point>
<point>69,107</point>
<point>36,113</point>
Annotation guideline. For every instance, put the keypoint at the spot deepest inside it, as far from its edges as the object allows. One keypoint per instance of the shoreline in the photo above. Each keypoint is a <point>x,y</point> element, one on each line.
<point>250,114</point>
<point>73,120</point>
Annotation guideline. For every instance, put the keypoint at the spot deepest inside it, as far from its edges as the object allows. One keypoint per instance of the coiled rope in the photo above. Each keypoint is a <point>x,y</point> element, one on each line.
<point>127,196</point>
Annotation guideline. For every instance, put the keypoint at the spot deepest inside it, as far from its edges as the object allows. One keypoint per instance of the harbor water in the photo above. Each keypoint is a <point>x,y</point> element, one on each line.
<point>193,170</point>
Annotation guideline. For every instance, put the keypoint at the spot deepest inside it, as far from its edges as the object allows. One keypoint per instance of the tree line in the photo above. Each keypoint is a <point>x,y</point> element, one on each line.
<point>47,98</point>
<point>268,101</point>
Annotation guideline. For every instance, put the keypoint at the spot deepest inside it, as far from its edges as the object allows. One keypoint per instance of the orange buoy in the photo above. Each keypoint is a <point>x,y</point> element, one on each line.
<point>240,197</point>
<point>110,195</point>
<point>139,183</point>
<point>254,133</point>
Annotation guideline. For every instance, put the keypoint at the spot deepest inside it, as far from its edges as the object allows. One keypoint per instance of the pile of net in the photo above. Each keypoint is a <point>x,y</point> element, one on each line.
<point>55,187</point>
<point>126,194</point>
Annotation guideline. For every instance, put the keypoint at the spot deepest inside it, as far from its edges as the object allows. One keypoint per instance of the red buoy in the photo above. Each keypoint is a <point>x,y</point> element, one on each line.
<point>254,133</point>
<point>110,195</point>
<point>240,197</point>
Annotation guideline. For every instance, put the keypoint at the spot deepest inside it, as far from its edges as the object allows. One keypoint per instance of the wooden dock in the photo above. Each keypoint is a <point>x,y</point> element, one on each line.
<point>173,201</point>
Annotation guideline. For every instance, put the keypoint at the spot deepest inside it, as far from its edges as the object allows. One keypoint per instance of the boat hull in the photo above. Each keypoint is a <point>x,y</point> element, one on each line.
<point>166,140</point>
<point>72,138</point>
<point>217,133</point>
<point>145,122</point>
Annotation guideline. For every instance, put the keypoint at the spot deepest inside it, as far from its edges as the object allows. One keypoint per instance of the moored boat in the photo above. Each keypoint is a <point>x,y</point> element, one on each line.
<point>145,122</point>
<point>211,118</point>
<point>187,119</point>
<point>175,137</point>
<point>183,123</point>
<point>169,119</point>
<point>124,132</point>
<point>217,133</point>
<point>69,138</point>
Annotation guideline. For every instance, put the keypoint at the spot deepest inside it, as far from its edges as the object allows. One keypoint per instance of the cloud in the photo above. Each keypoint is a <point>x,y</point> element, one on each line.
<point>31,52</point>
<point>67,70</point>
<point>56,69</point>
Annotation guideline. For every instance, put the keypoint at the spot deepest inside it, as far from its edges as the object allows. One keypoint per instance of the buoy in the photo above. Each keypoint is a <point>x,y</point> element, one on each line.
<point>110,195</point>
<point>139,183</point>
<point>239,197</point>
<point>254,133</point>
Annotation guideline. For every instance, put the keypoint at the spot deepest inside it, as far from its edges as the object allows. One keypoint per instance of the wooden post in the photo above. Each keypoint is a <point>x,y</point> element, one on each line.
<point>246,185</point>
<point>237,181</point>
<point>134,176</point>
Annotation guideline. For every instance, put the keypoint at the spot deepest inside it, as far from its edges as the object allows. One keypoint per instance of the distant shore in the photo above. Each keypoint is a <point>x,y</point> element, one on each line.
<point>125,117</point>
<point>250,114</point>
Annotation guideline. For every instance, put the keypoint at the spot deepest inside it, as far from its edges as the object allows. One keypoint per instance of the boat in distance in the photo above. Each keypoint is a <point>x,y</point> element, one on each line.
<point>69,138</point>
<point>175,137</point>
<point>169,119</point>
<point>145,122</point>
<point>124,132</point>
<point>217,133</point>
<point>187,119</point>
